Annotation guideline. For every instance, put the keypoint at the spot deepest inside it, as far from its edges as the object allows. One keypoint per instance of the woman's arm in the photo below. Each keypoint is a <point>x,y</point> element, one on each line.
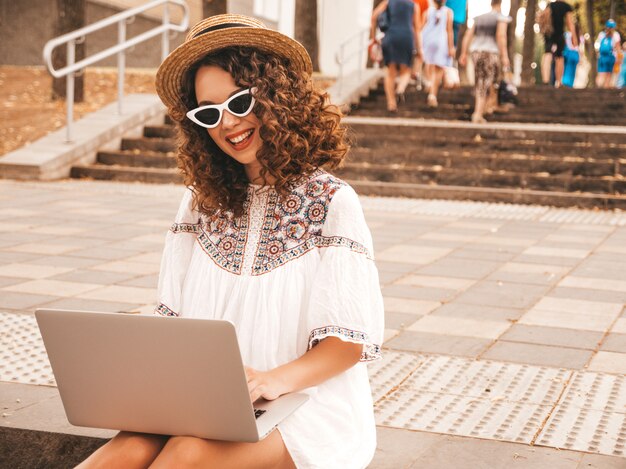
<point>417,26</point>
<point>467,40</point>
<point>451,49</point>
<point>377,11</point>
<point>327,359</point>
<point>501,41</point>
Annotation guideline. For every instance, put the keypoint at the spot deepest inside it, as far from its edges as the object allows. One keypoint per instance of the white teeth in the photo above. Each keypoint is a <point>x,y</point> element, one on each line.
<point>240,138</point>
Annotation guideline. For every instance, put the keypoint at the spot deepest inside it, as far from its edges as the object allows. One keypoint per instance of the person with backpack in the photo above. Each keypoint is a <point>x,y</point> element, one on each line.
<point>552,21</point>
<point>608,44</point>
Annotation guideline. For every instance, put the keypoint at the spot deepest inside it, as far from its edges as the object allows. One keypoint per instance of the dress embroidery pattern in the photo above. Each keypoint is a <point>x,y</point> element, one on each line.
<point>370,351</point>
<point>272,231</point>
<point>163,310</point>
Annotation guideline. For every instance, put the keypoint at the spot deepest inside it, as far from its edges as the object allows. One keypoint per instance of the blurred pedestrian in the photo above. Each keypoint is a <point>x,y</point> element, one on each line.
<point>608,45</point>
<point>418,60</point>
<point>553,20</point>
<point>438,44</point>
<point>399,45</point>
<point>459,10</point>
<point>486,41</point>
<point>571,57</point>
<point>621,77</point>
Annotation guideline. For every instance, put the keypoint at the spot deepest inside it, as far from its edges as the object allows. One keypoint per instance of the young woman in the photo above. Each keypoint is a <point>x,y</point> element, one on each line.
<point>400,45</point>
<point>438,43</point>
<point>266,238</point>
<point>486,41</point>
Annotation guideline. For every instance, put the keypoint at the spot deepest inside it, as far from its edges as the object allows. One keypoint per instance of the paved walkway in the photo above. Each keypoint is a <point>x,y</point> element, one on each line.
<point>506,330</point>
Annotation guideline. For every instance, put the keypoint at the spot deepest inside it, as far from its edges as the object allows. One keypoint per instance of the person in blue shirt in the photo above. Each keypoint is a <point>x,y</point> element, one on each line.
<point>571,58</point>
<point>608,43</point>
<point>459,9</point>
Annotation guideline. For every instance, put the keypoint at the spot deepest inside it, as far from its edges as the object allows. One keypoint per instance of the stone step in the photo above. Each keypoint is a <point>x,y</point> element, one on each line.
<point>489,194</point>
<point>164,145</point>
<point>482,177</point>
<point>464,114</point>
<point>403,131</point>
<point>126,174</point>
<point>136,159</point>
<point>159,131</point>
<point>478,159</point>
<point>398,144</point>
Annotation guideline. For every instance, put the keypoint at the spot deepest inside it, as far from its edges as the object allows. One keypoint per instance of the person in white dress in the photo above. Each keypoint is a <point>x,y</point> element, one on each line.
<point>267,239</point>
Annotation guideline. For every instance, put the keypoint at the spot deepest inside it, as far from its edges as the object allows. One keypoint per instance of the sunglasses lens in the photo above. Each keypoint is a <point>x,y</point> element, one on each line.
<point>241,104</point>
<point>208,116</point>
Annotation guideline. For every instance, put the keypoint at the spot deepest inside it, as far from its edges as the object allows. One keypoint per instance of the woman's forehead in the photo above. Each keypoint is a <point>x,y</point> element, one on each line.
<point>213,84</point>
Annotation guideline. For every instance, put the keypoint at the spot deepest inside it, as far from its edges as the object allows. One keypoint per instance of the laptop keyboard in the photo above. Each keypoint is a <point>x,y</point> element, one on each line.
<point>258,413</point>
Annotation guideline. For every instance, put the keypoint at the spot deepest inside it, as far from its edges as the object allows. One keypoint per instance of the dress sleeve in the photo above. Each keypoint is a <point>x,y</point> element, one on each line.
<point>346,301</point>
<point>179,243</point>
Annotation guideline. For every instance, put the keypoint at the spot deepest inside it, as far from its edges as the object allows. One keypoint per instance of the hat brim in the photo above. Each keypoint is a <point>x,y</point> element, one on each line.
<point>169,78</point>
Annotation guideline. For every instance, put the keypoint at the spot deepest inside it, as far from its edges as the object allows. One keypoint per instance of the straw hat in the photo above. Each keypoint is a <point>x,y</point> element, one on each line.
<point>218,32</point>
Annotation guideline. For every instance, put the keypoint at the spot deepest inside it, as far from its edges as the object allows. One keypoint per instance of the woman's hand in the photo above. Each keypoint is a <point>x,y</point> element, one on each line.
<point>264,384</point>
<point>463,60</point>
<point>452,51</point>
<point>506,64</point>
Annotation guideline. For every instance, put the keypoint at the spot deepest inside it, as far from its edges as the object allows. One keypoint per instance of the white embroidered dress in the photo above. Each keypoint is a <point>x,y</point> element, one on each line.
<point>289,273</point>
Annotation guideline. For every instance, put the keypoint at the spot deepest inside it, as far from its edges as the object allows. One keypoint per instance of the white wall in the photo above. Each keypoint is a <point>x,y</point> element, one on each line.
<point>338,21</point>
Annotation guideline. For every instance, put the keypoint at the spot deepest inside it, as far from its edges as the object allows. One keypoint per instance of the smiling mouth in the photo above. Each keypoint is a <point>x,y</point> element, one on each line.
<point>241,139</point>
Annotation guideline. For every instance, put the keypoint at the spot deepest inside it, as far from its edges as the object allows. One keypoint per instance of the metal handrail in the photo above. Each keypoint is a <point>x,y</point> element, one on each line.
<point>342,58</point>
<point>122,18</point>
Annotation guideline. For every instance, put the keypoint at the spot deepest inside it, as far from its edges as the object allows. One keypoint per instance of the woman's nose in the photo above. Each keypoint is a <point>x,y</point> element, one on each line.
<point>229,120</point>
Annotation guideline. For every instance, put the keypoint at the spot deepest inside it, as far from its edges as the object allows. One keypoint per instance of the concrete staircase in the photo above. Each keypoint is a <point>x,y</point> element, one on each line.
<point>536,104</point>
<point>560,165</point>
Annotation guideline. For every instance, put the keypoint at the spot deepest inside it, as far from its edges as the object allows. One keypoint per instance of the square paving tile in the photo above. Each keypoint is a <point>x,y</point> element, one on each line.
<point>43,248</point>
<point>497,254</point>
<point>606,296</point>
<point>579,306</point>
<point>460,268</point>
<point>395,267</point>
<point>554,336</point>
<point>146,281</point>
<point>557,252</point>
<point>431,281</point>
<point>100,277</point>
<point>552,260</point>
<point>64,261</point>
<point>419,293</point>
<point>23,301</point>
<point>412,254</point>
<point>593,283</point>
<point>424,342</point>
<point>569,319</point>
<point>399,320</point>
<point>31,271</point>
<point>121,294</point>
<point>457,309</point>
<point>52,287</point>
<point>131,267</point>
<point>544,355</point>
<point>620,325</point>
<point>519,272</point>
<point>609,362</point>
<point>104,253</point>
<point>85,304</point>
<point>614,343</point>
<point>480,329</point>
<point>405,305</point>
<point>513,295</point>
<point>392,449</point>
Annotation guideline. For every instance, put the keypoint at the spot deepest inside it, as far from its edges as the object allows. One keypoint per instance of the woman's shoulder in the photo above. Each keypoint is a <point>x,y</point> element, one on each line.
<point>319,183</point>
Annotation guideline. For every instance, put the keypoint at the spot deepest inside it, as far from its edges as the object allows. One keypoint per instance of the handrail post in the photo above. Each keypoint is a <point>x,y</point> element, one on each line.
<point>165,37</point>
<point>121,65</point>
<point>69,89</point>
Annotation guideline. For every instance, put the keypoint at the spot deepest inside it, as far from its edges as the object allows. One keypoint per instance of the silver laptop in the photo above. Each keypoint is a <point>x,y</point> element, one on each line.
<point>152,374</point>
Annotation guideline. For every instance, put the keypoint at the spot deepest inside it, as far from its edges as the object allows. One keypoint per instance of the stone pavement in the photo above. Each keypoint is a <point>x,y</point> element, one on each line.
<point>505,325</point>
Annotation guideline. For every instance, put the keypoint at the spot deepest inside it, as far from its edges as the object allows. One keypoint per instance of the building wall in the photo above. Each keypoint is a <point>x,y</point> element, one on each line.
<point>23,44</point>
